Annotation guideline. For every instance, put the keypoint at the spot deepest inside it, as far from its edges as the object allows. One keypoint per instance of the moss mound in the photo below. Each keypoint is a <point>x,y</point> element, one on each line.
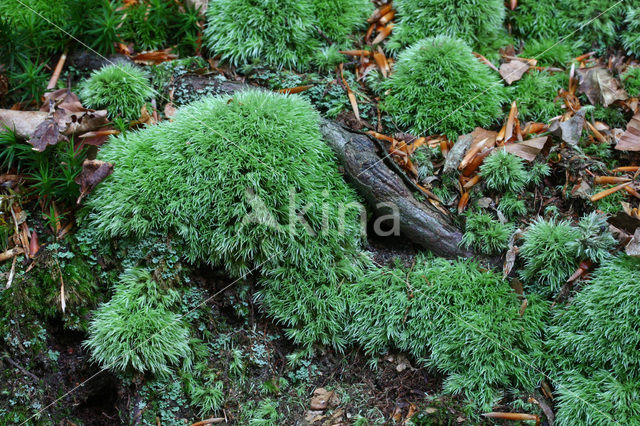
<point>247,182</point>
<point>136,329</point>
<point>244,180</point>
<point>280,33</point>
<point>475,22</point>
<point>458,320</point>
<point>121,89</point>
<point>440,87</point>
<point>595,343</point>
<point>535,95</point>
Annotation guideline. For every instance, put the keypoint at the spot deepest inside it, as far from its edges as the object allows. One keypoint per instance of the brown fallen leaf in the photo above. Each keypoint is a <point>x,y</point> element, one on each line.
<point>633,247</point>
<point>630,139</point>
<point>600,87</point>
<point>513,71</point>
<point>297,89</point>
<point>47,133</point>
<point>323,399</point>
<point>570,130</point>
<point>528,149</point>
<point>155,57</point>
<point>93,172</point>
<point>34,245</point>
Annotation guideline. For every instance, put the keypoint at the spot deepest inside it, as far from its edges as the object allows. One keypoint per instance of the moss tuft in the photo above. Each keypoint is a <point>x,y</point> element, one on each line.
<point>549,260</point>
<point>503,171</point>
<point>631,81</point>
<point>280,33</point>
<point>136,329</point>
<point>594,343</point>
<point>475,22</point>
<point>485,234</point>
<point>121,89</point>
<point>535,20</point>
<point>535,95</point>
<point>440,87</point>
<point>210,177</point>
<point>458,320</point>
<point>338,19</point>
<point>549,52</point>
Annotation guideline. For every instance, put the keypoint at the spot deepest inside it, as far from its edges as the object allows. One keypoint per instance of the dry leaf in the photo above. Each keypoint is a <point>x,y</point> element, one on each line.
<point>633,248</point>
<point>630,139</point>
<point>154,58</point>
<point>600,86</point>
<point>528,149</point>
<point>513,71</point>
<point>93,172</point>
<point>569,131</point>
<point>47,133</point>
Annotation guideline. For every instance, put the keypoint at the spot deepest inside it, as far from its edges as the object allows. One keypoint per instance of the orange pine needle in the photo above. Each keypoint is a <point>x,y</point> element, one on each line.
<point>384,33</point>
<point>606,180</point>
<point>625,169</point>
<point>600,195</point>
<point>296,89</point>
<point>387,17</point>
<point>473,181</point>
<point>464,200</point>
<point>356,52</point>
<point>471,153</point>
<point>380,136</point>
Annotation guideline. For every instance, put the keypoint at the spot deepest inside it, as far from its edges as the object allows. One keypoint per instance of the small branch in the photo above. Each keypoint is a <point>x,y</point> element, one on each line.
<point>56,72</point>
<point>22,369</point>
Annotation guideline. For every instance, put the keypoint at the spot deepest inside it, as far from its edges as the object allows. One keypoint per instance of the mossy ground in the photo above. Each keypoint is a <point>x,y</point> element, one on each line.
<point>243,356</point>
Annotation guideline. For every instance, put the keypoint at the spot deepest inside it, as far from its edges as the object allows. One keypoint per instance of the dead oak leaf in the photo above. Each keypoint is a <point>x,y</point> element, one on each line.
<point>599,85</point>
<point>630,139</point>
<point>47,133</point>
<point>513,71</point>
<point>529,149</point>
<point>93,172</point>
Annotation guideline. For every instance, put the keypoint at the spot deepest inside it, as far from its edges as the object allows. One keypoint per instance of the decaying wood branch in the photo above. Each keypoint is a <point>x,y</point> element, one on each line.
<point>382,188</point>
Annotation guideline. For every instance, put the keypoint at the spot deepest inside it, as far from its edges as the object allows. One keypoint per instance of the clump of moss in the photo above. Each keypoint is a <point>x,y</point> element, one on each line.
<point>535,95</point>
<point>477,23</point>
<point>631,36</point>
<point>440,87</point>
<point>512,206</point>
<point>596,23</point>
<point>535,20</point>
<point>549,52</point>
<point>594,344</point>
<point>121,89</point>
<point>280,33</point>
<point>136,329</point>
<point>156,24</point>
<point>631,81</point>
<point>338,19</point>
<point>549,260</point>
<point>594,239</point>
<point>486,234</point>
<point>246,182</point>
<point>503,171</point>
<point>210,176</point>
<point>457,319</point>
